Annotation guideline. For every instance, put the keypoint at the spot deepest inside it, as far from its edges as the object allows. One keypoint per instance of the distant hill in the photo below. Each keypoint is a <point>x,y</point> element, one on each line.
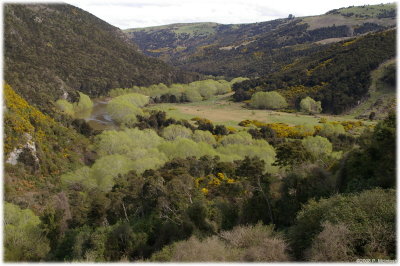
<point>257,48</point>
<point>53,50</point>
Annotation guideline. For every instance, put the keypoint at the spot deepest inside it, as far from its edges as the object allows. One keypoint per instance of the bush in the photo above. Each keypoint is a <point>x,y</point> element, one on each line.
<point>268,100</point>
<point>243,244</point>
<point>194,250</point>
<point>256,243</point>
<point>332,244</point>
<point>369,217</point>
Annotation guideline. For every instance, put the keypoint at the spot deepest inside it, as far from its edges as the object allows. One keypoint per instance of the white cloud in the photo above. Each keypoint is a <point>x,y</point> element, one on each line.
<point>141,13</point>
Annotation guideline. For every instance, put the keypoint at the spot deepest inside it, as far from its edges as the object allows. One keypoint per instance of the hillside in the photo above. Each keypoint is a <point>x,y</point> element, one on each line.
<point>36,150</point>
<point>53,50</point>
<point>257,48</point>
<point>338,75</point>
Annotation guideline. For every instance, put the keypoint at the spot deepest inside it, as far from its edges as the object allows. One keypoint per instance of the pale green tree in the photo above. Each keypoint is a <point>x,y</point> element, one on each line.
<point>268,100</point>
<point>65,107</point>
<point>79,176</point>
<point>259,148</point>
<point>126,141</point>
<point>309,105</point>
<point>123,111</point>
<point>204,136</point>
<point>23,237</point>
<point>105,169</point>
<point>183,148</point>
<point>318,146</point>
<point>241,137</point>
<point>80,109</point>
<point>192,95</point>
<point>329,129</point>
<point>223,87</point>
<point>173,132</point>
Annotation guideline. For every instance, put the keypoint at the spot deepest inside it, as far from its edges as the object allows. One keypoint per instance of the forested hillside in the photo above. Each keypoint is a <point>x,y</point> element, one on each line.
<point>338,75</point>
<point>257,48</point>
<point>53,50</point>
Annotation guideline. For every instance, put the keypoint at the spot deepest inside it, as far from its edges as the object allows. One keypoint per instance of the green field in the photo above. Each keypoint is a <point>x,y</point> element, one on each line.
<point>220,110</point>
<point>369,10</point>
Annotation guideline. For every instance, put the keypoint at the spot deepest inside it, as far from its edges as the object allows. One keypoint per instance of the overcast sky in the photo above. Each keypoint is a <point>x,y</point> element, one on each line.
<point>143,13</point>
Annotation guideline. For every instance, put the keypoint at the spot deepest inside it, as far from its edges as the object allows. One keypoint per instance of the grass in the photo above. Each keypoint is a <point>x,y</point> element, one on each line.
<point>201,28</point>
<point>369,10</point>
<point>220,110</point>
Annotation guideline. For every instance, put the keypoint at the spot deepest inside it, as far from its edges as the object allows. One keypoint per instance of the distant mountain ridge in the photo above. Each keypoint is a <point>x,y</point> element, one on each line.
<point>53,50</point>
<point>251,49</point>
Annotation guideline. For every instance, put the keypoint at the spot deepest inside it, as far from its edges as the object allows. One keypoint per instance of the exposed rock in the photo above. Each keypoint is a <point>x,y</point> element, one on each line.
<point>26,154</point>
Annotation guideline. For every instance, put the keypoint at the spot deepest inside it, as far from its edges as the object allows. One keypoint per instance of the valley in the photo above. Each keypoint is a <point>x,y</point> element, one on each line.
<point>263,142</point>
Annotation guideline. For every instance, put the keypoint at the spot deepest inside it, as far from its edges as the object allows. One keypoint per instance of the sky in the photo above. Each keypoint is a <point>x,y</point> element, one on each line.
<point>144,13</point>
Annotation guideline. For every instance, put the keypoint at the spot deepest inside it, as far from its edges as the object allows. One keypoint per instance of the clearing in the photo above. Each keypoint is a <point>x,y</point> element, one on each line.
<point>220,110</point>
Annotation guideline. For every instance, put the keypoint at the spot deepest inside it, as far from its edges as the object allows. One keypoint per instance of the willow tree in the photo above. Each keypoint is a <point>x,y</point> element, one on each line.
<point>318,147</point>
<point>123,111</point>
<point>173,132</point>
<point>309,105</point>
<point>24,239</point>
<point>268,100</point>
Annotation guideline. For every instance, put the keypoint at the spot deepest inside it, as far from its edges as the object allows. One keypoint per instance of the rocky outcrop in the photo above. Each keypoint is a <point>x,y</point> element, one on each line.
<point>26,154</point>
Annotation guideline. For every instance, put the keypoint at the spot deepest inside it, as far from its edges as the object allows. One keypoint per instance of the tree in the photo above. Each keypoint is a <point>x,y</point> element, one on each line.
<point>122,111</point>
<point>105,169</point>
<point>173,132</point>
<point>183,148</point>
<point>329,129</point>
<point>239,138</point>
<point>374,163</point>
<point>203,136</point>
<point>80,109</point>
<point>192,95</point>
<point>309,105</point>
<point>23,238</point>
<point>268,100</point>
<point>319,147</point>
<point>291,154</point>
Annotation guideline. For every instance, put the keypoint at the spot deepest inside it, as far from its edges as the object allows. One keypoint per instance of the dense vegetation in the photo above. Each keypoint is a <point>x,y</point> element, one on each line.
<point>62,49</point>
<point>162,189</point>
<point>338,75</point>
<point>166,190</point>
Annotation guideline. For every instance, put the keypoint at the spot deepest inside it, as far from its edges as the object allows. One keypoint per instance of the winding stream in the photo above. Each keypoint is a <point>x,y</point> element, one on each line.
<point>99,119</point>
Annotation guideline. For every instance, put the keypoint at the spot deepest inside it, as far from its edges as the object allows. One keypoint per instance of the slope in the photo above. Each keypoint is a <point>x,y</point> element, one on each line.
<point>53,50</point>
<point>338,75</point>
<point>37,149</point>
